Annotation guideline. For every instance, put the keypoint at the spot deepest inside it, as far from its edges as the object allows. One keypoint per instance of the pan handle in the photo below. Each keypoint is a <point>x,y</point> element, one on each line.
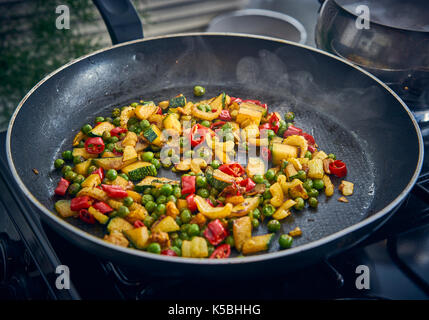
<point>121,19</point>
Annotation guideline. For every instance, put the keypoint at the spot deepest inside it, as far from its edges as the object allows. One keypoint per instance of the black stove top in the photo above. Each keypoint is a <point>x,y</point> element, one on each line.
<point>396,256</point>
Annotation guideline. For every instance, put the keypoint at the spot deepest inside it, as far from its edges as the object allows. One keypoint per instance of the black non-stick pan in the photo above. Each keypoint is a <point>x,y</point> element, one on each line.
<point>349,111</point>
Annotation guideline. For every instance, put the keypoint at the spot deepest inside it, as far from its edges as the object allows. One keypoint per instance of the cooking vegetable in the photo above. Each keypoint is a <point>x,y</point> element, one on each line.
<point>258,243</point>
<point>346,188</point>
<point>94,145</point>
<point>138,237</point>
<point>242,231</point>
<point>196,248</point>
<point>100,128</point>
<point>101,218</point>
<point>153,135</point>
<point>140,169</point>
<point>338,168</point>
<point>285,241</point>
<point>283,152</point>
<point>168,224</point>
<point>62,186</point>
<point>64,210</point>
<point>210,212</point>
<point>215,232</point>
<point>329,187</point>
<point>221,252</point>
<point>315,169</point>
<point>199,91</point>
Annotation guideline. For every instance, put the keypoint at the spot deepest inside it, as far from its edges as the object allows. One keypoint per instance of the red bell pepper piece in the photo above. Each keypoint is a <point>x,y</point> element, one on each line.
<point>100,173</point>
<point>188,184</point>
<point>338,168</point>
<point>114,191</point>
<point>169,252</point>
<point>221,252</point>
<point>94,145</point>
<point>311,148</point>
<point>198,134</point>
<point>102,207</point>
<point>78,203</point>
<point>85,216</point>
<point>225,115</point>
<point>192,205</point>
<point>117,131</point>
<point>265,153</point>
<point>116,152</point>
<point>138,224</point>
<point>215,232</point>
<point>62,186</point>
<point>233,169</point>
<point>257,102</point>
<point>265,126</point>
<point>265,106</point>
<point>217,124</point>
<point>292,130</point>
<point>248,183</point>
<point>159,111</point>
<point>238,100</point>
<point>309,138</point>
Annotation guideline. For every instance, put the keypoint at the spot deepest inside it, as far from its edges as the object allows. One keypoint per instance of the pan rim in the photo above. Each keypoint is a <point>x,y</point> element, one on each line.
<point>251,259</point>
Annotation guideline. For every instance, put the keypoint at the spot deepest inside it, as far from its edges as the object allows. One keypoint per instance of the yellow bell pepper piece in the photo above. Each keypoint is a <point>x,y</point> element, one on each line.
<point>211,212</point>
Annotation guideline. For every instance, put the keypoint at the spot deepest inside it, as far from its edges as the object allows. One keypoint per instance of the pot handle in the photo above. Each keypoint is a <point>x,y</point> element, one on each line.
<point>121,19</point>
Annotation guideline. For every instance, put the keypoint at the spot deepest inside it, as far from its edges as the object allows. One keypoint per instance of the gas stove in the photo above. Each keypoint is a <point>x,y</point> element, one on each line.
<point>31,256</point>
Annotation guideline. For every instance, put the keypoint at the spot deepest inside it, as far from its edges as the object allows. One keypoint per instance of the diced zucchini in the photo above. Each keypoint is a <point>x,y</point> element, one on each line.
<point>138,237</point>
<point>218,179</point>
<point>258,243</point>
<point>63,209</point>
<point>98,130</point>
<point>101,218</point>
<point>82,168</point>
<point>242,231</point>
<point>116,163</point>
<point>153,135</point>
<point>283,152</point>
<point>139,170</point>
<point>118,224</point>
<point>290,171</point>
<point>177,101</point>
<point>168,224</point>
<point>81,152</point>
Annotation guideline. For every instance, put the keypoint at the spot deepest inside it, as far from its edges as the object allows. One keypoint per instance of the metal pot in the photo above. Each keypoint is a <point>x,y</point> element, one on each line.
<point>395,47</point>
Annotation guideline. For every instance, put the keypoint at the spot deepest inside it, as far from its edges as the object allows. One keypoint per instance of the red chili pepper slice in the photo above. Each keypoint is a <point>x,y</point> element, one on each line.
<point>248,183</point>
<point>94,145</point>
<point>309,138</point>
<point>225,115</point>
<point>217,124</point>
<point>338,168</point>
<point>274,121</point>
<point>221,252</point>
<point>102,207</point>
<point>188,184</point>
<point>78,203</point>
<point>265,106</point>
<point>169,252</point>
<point>100,173</point>
<point>62,187</point>
<point>265,153</point>
<point>85,216</point>
<point>117,131</point>
<point>114,191</point>
<point>138,224</point>
<point>192,205</point>
<point>311,148</point>
<point>233,169</point>
<point>159,111</point>
<point>215,232</point>
<point>198,134</point>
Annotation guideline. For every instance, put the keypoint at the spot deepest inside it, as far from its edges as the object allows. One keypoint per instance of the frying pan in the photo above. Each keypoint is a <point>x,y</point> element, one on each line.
<point>350,112</point>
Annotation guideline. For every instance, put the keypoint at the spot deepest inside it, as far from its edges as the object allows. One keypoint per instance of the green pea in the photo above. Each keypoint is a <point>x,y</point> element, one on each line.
<point>124,176</point>
<point>147,156</point>
<point>147,191</point>
<point>70,175</point>
<point>201,182</point>
<point>156,163</point>
<point>81,144</point>
<point>301,175</point>
<point>308,184</point>
<point>156,192</point>
<point>160,209</point>
<point>273,225</point>
<point>133,121</point>
<point>148,221</point>
<point>78,159</point>
<point>313,193</point>
<point>308,155</point>
<point>116,113</point>
<point>186,216</point>
<point>73,189</point>
<point>166,190</point>
<point>204,193</point>
<point>150,206</point>
<point>177,250</point>
<point>256,213</point>
<point>193,230</point>
<point>123,211</point>
<point>205,123</point>
<point>86,128</point>
<point>214,192</point>
<point>154,247</point>
<point>171,198</point>
<point>255,223</point>
<point>267,194</point>
<point>110,147</point>
<point>270,134</point>
<point>144,124</point>
<point>79,179</point>
<point>178,221</point>
<point>215,164</point>
<point>99,119</point>
<point>111,174</point>
<point>67,155</point>
<point>58,163</point>
<point>268,210</point>
<point>282,128</point>
<point>199,91</point>
<point>332,156</point>
<point>128,201</point>
<point>318,184</point>
<point>289,116</point>
<point>177,192</point>
<point>230,240</point>
<point>91,169</point>
<point>161,199</point>
<point>299,205</point>
<point>108,119</point>
<point>257,178</point>
<point>313,202</point>
<point>113,139</point>
<point>155,215</point>
<point>146,198</point>
<point>270,174</point>
<point>116,122</point>
<point>285,241</point>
